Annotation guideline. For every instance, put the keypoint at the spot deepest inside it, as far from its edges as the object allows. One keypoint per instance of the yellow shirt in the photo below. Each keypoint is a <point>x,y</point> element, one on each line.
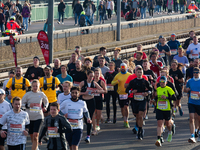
<point>18,87</point>
<point>51,94</point>
<point>120,79</point>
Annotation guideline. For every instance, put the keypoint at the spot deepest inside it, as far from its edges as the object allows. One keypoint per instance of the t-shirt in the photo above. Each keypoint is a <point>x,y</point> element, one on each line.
<point>182,60</point>
<point>16,123</point>
<point>148,73</point>
<point>78,76</point>
<point>67,78</point>
<point>75,112</point>
<point>38,72</point>
<point>104,69</point>
<point>174,45</point>
<point>138,62</point>
<point>144,56</point>
<point>196,50</point>
<point>71,67</point>
<point>194,90</point>
<point>18,87</point>
<point>164,104</point>
<point>56,72</point>
<point>178,74</point>
<point>117,63</point>
<point>62,97</point>
<point>155,68</point>
<point>37,99</point>
<point>4,107</point>
<point>166,49</point>
<point>51,94</point>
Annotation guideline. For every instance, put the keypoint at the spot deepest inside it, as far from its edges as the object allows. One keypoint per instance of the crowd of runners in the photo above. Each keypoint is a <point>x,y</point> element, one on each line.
<point>52,104</point>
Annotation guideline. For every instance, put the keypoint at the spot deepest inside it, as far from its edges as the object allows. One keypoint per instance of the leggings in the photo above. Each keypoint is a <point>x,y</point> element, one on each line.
<point>151,11</point>
<point>109,13</point>
<point>114,99</point>
<point>91,108</point>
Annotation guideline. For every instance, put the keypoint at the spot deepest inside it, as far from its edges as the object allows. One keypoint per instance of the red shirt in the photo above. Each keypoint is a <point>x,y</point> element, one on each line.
<point>12,25</point>
<point>144,56</point>
<point>171,79</point>
<point>155,68</point>
<point>131,77</point>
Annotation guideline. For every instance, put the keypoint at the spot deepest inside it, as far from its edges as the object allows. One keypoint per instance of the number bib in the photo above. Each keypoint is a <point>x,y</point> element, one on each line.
<point>123,96</point>
<point>194,95</point>
<point>52,133</point>
<point>162,54</point>
<point>173,51</point>
<point>74,123</point>
<point>15,129</point>
<point>36,108</point>
<point>76,84</point>
<point>91,91</point>
<point>110,87</point>
<point>162,105</point>
<point>194,56</point>
<point>138,97</point>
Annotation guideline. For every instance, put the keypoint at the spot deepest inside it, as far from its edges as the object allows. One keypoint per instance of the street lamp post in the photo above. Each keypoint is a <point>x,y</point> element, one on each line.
<point>118,20</point>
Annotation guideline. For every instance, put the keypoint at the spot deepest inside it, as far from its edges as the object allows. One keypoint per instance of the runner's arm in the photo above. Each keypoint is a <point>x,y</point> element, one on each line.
<point>43,131</point>
<point>66,126</point>
<point>86,114</point>
<point>61,88</point>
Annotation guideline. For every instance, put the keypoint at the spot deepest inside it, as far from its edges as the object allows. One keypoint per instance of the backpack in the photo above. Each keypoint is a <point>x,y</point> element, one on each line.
<point>126,16</point>
<point>23,84</point>
<point>82,21</point>
<point>45,83</point>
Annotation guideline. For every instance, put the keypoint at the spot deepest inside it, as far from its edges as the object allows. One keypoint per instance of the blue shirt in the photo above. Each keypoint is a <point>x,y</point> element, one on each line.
<point>68,78</point>
<point>194,87</point>
<point>174,45</point>
<point>182,60</point>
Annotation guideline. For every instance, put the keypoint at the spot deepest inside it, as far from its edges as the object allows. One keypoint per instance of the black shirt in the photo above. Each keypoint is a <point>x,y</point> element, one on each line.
<point>56,72</point>
<point>117,63</point>
<point>138,62</point>
<point>71,67</point>
<point>187,42</point>
<point>148,73</point>
<point>78,76</point>
<point>178,74</point>
<point>38,72</point>
<point>20,7</point>
<point>109,77</point>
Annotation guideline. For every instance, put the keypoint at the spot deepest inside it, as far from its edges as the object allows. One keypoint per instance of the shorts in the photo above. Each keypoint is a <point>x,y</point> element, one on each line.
<point>194,108</point>
<point>138,106</point>
<point>17,147</point>
<point>124,102</point>
<point>35,126</point>
<point>74,137</point>
<point>48,109</point>
<point>180,94</point>
<point>99,104</point>
<point>161,115</point>
<point>2,140</point>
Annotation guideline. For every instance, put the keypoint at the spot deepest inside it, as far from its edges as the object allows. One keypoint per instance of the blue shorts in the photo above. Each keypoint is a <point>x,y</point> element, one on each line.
<point>74,137</point>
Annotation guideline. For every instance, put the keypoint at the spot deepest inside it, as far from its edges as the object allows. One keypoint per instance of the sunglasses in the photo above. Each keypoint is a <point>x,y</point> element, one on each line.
<point>122,67</point>
<point>196,72</point>
<point>163,81</point>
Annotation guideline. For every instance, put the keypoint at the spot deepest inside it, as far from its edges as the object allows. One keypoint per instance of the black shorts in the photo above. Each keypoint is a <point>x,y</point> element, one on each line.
<point>194,108</point>
<point>124,102</point>
<point>74,137</point>
<point>99,104</point>
<point>161,115</point>
<point>35,126</point>
<point>138,106</point>
<point>48,109</point>
<point>180,94</point>
<point>17,147</point>
<point>2,140</point>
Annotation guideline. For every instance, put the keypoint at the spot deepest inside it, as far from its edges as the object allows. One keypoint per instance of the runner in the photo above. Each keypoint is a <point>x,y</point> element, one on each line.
<point>5,107</point>
<point>112,91</point>
<point>164,96</point>
<point>192,87</point>
<point>74,109</point>
<point>141,89</point>
<point>56,125</point>
<point>18,84</point>
<point>193,49</point>
<point>78,52</point>
<point>67,85</point>
<point>71,65</point>
<point>17,122</point>
<point>120,79</point>
<point>116,59</point>
<point>56,68</point>
<point>33,101</point>
<point>156,65</point>
<point>64,76</point>
<point>138,60</point>
<point>88,88</point>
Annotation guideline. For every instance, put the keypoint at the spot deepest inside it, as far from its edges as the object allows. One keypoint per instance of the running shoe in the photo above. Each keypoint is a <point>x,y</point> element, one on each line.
<point>158,143</point>
<point>192,140</point>
<point>143,123</point>
<point>196,134</point>
<point>181,111</point>
<point>173,129</point>
<point>139,136</point>
<point>146,117</point>
<point>107,120</point>
<point>87,139</point>
<point>135,130</point>
<point>98,128</point>
<point>126,125</point>
<point>161,139</point>
<point>94,132</point>
<point>169,138</point>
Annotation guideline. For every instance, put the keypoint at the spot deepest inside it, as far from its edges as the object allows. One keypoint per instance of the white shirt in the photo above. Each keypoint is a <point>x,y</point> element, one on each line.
<point>108,7</point>
<point>16,123</point>
<point>4,107</point>
<point>62,97</point>
<point>196,50</point>
<point>5,83</point>
<point>75,111</point>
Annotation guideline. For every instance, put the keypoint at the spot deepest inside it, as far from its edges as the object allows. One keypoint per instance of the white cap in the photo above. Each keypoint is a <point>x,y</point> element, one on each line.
<point>123,64</point>
<point>2,91</point>
<point>192,2</point>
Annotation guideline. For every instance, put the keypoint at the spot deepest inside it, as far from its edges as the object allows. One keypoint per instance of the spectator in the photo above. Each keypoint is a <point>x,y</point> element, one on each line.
<point>71,65</point>
<point>102,11</point>
<point>8,4</point>
<point>143,6</point>
<point>45,28</point>
<point>83,21</point>
<point>19,6</point>
<point>25,15</point>
<point>1,5</point>
<point>139,49</point>
<point>30,8</point>
<point>89,12</point>
<point>134,4</point>
<point>169,6</point>
<point>2,20</point>
<point>7,15</point>
<point>19,18</point>
<point>164,6</point>
<point>102,52</point>
<point>176,3</point>
<point>115,7</point>
<point>159,5</point>
<point>182,5</point>
<point>61,11</point>
<point>64,76</point>
<point>123,6</point>
<point>56,68</point>
<point>129,16</point>
<point>77,11</point>
<point>151,6</point>
<point>93,11</point>
<point>109,8</point>
<point>198,3</point>
<point>86,3</point>
<point>13,9</point>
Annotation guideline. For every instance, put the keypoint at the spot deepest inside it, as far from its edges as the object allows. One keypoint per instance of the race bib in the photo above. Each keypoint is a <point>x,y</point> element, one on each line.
<point>162,54</point>
<point>15,129</point>
<point>74,123</point>
<point>110,87</point>
<point>52,133</point>
<point>36,108</point>
<point>194,56</point>
<point>162,105</point>
<point>173,51</point>
<point>138,97</point>
<point>194,95</point>
<point>76,83</point>
<point>91,91</point>
<point>123,96</point>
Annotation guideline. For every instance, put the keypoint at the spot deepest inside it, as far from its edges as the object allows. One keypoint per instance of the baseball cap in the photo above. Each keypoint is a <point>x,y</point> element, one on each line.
<point>123,65</point>
<point>36,57</point>
<point>163,79</point>
<point>160,37</point>
<point>48,67</point>
<point>2,91</point>
<point>195,70</point>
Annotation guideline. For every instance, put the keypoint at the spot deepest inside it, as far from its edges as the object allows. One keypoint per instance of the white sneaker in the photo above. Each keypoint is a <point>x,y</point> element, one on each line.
<point>192,140</point>
<point>58,22</point>
<point>62,22</point>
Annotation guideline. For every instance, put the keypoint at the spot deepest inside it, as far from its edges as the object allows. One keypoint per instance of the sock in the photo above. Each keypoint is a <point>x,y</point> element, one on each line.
<point>126,121</point>
<point>192,135</point>
<point>159,137</point>
<point>88,135</point>
<point>170,132</point>
<point>196,130</point>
